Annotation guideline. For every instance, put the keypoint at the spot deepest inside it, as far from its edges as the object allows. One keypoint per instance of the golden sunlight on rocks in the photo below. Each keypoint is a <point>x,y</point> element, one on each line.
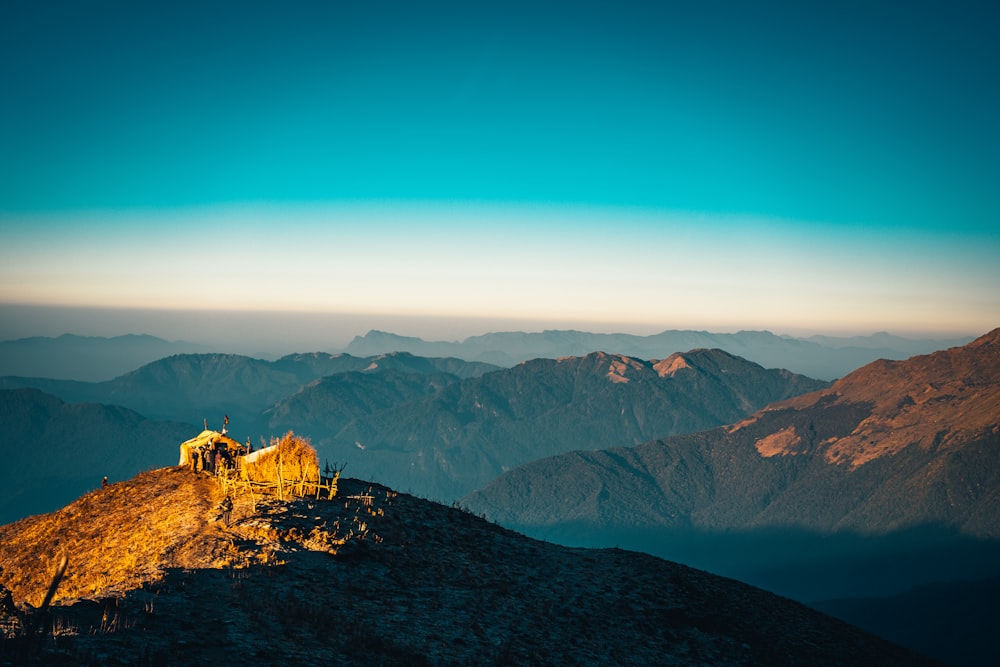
<point>783,442</point>
<point>619,367</point>
<point>671,365</point>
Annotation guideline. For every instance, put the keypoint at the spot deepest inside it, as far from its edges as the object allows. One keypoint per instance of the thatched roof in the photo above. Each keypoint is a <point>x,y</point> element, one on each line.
<point>202,440</point>
<point>292,457</point>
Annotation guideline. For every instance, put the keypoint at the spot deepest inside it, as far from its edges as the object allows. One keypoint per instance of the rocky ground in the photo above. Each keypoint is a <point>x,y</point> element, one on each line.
<point>373,577</point>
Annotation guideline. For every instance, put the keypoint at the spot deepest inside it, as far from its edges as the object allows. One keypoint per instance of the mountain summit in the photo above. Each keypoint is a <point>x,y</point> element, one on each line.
<point>373,577</point>
<point>938,402</point>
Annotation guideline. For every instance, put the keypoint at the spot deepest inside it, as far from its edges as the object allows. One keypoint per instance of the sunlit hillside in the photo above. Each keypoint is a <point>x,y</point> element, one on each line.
<point>155,576</point>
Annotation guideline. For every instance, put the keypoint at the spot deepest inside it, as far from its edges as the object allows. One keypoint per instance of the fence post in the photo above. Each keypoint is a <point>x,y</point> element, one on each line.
<point>281,493</point>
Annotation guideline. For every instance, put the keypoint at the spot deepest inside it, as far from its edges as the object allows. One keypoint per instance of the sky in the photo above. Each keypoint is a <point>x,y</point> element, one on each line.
<point>450,168</point>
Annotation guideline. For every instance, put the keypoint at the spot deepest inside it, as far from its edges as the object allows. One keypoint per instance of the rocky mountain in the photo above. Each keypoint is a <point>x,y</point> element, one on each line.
<point>371,577</point>
<point>54,451</point>
<point>442,427</point>
<point>887,479</point>
<point>86,358</point>
<point>444,443</point>
<point>824,357</point>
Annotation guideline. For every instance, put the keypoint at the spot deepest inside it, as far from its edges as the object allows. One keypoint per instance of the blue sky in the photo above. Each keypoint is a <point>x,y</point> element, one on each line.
<point>619,165</point>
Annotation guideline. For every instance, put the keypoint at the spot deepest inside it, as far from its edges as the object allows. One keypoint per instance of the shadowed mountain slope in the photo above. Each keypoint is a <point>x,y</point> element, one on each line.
<point>54,451</point>
<point>154,578</point>
<point>336,400</point>
<point>194,387</point>
<point>957,620</point>
<point>887,480</point>
<point>892,445</point>
<point>446,443</point>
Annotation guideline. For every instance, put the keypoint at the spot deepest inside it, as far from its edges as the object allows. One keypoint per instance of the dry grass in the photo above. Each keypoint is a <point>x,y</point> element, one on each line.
<point>290,458</point>
<point>376,577</point>
<point>115,538</point>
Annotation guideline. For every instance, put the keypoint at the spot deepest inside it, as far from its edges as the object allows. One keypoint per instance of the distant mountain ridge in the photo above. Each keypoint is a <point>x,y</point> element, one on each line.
<point>87,358</point>
<point>118,427</point>
<point>53,451</point>
<point>194,387</point>
<point>444,443</point>
<point>440,427</point>
<point>95,359</point>
<point>822,357</point>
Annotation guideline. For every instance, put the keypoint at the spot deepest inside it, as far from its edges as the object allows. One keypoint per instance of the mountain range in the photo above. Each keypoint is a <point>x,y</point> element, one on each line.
<point>925,429</point>
<point>95,359</point>
<point>840,458</point>
<point>54,451</point>
<point>887,480</point>
<point>823,357</point>
<point>194,387</point>
<point>88,358</point>
<point>60,437</point>
<point>446,443</point>
<point>880,491</point>
<point>153,577</point>
<point>439,427</point>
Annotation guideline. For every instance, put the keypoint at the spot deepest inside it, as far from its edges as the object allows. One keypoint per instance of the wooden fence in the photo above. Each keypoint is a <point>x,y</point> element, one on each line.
<point>233,483</point>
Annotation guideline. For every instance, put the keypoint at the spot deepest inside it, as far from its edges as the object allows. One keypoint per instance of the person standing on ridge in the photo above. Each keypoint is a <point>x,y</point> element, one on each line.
<point>208,461</point>
<point>227,509</point>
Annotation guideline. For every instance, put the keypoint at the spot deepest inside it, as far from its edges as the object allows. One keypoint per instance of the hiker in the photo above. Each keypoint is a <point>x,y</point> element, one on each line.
<point>226,506</point>
<point>104,482</point>
<point>225,424</point>
<point>209,460</point>
<point>249,446</point>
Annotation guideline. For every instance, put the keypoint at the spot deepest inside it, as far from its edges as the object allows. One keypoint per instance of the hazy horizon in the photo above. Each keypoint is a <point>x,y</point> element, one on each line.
<point>278,333</point>
<point>461,168</point>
